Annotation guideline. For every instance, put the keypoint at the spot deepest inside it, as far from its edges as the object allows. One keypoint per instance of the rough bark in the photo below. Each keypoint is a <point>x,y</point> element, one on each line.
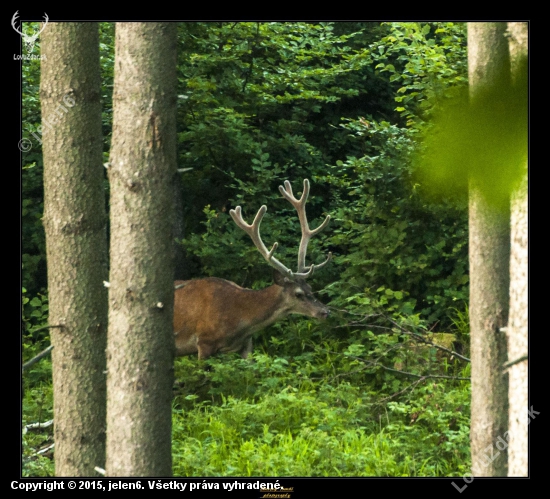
<point>180,265</point>
<point>76,242</point>
<point>140,349</point>
<point>489,252</point>
<point>517,323</point>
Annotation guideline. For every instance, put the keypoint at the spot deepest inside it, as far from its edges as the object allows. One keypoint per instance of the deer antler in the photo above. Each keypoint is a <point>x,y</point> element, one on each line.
<point>46,19</point>
<point>29,39</point>
<point>13,19</point>
<point>254,232</point>
<point>307,234</point>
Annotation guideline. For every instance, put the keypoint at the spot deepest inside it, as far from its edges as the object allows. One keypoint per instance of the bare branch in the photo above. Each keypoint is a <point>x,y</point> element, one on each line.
<point>101,471</point>
<point>511,363</point>
<point>38,426</point>
<point>34,360</point>
<point>45,327</point>
<point>443,376</point>
<point>421,338</point>
<point>45,449</point>
<point>409,387</point>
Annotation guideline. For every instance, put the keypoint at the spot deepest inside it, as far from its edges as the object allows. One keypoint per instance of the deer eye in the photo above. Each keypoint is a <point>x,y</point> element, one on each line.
<point>299,293</point>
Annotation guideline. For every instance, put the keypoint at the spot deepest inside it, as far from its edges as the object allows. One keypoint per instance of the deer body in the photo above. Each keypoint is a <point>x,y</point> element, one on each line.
<point>214,315</point>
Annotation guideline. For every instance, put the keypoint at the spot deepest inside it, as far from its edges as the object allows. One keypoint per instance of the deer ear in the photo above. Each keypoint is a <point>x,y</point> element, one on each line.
<point>279,278</point>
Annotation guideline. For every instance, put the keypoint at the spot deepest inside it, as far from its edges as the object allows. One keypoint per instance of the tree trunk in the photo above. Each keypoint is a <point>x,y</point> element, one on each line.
<point>140,349</point>
<point>517,324</point>
<point>76,242</point>
<point>489,253</point>
<point>180,266</point>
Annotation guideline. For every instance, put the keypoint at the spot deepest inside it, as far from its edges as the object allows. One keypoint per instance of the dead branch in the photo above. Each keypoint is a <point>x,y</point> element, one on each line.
<point>34,360</point>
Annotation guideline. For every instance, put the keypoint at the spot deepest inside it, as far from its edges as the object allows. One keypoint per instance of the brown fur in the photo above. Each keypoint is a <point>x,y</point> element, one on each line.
<point>214,315</point>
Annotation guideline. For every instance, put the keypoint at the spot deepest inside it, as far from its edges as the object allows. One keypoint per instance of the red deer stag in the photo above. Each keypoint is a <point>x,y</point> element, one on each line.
<point>214,315</point>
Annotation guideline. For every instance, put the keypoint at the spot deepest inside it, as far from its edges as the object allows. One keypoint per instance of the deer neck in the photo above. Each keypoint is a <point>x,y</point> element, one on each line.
<point>268,305</point>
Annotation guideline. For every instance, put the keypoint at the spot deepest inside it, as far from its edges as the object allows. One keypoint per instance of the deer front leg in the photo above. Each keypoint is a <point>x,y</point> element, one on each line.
<point>205,349</point>
<point>247,348</point>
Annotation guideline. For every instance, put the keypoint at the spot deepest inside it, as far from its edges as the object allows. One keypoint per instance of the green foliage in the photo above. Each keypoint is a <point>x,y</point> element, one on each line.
<point>37,388</point>
<point>318,413</point>
<point>425,60</point>
<point>37,408</point>
<point>260,103</point>
<point>393,250</point>
<point>262,99</point>
<point>398,254</point>
<point>35,316</point>
<point>481,140</point>
<point>107,59</point>
<point>460,318</point>
<point>33,239</point>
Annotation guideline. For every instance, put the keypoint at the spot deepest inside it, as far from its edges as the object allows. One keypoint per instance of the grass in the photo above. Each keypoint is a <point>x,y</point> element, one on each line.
<point>301,410</point>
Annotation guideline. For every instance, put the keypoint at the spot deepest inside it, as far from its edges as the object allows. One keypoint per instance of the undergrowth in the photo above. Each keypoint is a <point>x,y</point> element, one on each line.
<point>311,415</point>
<point>318,404</point>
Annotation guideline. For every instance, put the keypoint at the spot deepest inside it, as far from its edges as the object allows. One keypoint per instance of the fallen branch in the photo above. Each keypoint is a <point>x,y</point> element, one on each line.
<point>421,338</point>
<point>375,363</point>
<point>45,449</point>
<point>37,426</point>
<point>412,385</point>
<point>402,330</point>
<point>443,376</point>
<point>34,360</point>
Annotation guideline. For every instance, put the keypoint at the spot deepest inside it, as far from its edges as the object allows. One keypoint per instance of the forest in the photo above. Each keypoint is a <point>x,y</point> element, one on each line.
<point>425,290</point>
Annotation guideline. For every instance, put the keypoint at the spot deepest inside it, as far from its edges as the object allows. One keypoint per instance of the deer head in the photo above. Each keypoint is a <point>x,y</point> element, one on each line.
<point>29,40</point>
